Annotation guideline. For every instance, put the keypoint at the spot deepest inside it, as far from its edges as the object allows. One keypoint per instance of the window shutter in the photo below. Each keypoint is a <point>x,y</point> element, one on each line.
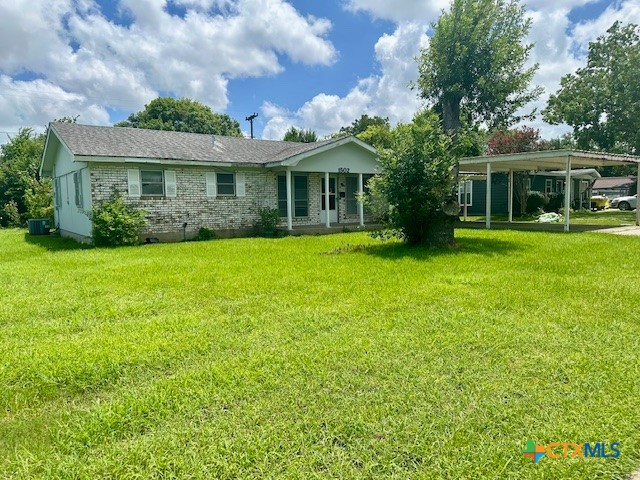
<point>170,186</point>
<point>211,184</point>
<point>240,188</point>
<point>134,182</point>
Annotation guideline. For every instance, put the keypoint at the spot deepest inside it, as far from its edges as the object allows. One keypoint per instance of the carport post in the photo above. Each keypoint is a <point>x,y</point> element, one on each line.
<point>510,196</point>
<point>567,194</point>
<point>638,192</point>
<point>488,212</point>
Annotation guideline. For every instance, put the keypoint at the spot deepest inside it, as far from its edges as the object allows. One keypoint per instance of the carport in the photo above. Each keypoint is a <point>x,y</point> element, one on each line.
<point>549,160</point>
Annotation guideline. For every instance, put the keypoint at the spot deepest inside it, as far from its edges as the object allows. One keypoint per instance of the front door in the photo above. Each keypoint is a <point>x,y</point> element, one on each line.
<point>333,212</point>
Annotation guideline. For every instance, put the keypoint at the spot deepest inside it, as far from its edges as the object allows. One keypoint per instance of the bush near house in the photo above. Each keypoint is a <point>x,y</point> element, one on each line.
<point>115,223</point>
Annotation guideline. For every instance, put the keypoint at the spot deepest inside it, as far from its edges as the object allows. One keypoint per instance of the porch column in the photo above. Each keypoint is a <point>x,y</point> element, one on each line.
<point>567,194</point>
<point>289,202</point>
<point>638,193</point>
<point>510,196</point>
<point>488,200</point>
<point>326,200</point>
<point>360,204</point>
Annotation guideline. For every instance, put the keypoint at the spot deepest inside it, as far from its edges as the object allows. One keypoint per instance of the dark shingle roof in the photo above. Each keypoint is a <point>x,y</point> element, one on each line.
<point>96,141</point>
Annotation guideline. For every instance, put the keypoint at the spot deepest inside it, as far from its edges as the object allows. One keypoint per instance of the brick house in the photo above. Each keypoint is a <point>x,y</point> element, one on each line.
<point>186,181</point>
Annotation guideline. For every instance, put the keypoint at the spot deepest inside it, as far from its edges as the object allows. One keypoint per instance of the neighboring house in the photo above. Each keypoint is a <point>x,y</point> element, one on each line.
<point>186,181</point>
<point>614,187</point>
<point>548,182</point>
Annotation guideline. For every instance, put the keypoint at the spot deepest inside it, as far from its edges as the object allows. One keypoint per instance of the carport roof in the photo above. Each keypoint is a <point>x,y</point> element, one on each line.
<point>545,160</point>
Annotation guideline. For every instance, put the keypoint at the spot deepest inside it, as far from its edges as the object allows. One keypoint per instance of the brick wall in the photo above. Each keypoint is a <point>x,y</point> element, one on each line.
<point>166,216</point>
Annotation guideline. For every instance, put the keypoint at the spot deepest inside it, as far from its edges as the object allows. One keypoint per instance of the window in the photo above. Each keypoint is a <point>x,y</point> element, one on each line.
<point>465,186</point>
<point>77,183</point>
<point>282,195</point>
<point>300,195</point>
<point>57,192</point>
<point>352,195</point>
<point>548,185</point>
<point>152,182</point>
<point>225,184</point>
<point>560,186</point>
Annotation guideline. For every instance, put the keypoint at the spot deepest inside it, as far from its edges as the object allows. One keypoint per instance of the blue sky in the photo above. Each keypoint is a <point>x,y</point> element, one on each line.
<point>303,63</point>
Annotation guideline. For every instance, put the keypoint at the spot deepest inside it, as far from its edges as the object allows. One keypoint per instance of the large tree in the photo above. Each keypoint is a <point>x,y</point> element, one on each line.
<point>474,65</point>
<point>183,115</point>
<point>302,136</point>
<point>602,100</point>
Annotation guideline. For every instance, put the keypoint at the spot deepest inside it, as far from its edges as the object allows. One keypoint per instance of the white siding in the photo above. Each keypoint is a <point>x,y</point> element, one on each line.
<point>68,216</point>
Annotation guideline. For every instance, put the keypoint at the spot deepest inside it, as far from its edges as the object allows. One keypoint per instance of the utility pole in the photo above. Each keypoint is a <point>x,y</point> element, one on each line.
<point>250,119</point>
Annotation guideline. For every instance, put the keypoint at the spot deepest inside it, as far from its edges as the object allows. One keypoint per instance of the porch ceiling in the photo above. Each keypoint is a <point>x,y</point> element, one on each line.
<point>544,160</point>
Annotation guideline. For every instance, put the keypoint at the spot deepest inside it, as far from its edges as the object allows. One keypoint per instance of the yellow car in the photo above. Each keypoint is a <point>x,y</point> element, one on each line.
<point>599,202</point>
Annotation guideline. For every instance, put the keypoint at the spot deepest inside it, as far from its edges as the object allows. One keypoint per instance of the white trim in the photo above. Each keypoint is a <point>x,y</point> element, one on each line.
<point>295,159</point>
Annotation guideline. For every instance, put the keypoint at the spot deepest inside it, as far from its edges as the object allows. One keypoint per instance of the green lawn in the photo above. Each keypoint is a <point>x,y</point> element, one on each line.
<point>311,357</point>
<point>614,218</point>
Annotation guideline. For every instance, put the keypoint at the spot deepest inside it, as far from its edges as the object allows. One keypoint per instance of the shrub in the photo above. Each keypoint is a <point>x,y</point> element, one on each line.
<point>556,202</point>
<point>39,199</point>
<point>205,234</point>
<point>536,201</point>
<point>269,218</point>
<point>116,223</point>
<point>415,179</point>
<point>9,215</point>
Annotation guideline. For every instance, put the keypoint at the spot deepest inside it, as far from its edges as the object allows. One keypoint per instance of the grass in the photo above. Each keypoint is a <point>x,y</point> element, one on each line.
<point>614,218</point>
<point>313,357</point>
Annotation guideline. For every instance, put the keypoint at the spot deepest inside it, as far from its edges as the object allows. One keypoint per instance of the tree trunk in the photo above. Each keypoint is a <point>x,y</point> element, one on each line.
<point>440,232</point>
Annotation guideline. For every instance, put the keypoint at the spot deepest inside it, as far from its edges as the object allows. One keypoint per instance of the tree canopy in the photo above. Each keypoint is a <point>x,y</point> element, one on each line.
<point>359,125</point>
<point>474,65</point>
<point>302,136</point>
<point>602,100</point>
<point>22,191</point>
<point>183,115</point>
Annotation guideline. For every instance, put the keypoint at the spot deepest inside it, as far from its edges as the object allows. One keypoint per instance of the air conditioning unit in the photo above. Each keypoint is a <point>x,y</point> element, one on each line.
<point>38,226</point>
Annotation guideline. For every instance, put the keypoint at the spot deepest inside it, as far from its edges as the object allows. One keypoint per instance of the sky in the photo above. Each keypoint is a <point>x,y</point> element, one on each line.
<point>312,64</point>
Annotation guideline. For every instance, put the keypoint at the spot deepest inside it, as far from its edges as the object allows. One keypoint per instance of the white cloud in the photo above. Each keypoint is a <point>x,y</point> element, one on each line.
<point>626,12</point>
<point>406,10</point>
<point>72,47</point>
<point>387,94</point>
<point>37,102</point>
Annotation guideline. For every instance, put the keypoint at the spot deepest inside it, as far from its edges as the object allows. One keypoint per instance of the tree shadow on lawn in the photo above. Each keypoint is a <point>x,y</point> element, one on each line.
<point>397,250</point>
<point>55,243</point>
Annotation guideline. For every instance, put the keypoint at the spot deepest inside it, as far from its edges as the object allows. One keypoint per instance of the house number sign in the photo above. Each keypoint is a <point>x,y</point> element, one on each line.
<point>343,170</point>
